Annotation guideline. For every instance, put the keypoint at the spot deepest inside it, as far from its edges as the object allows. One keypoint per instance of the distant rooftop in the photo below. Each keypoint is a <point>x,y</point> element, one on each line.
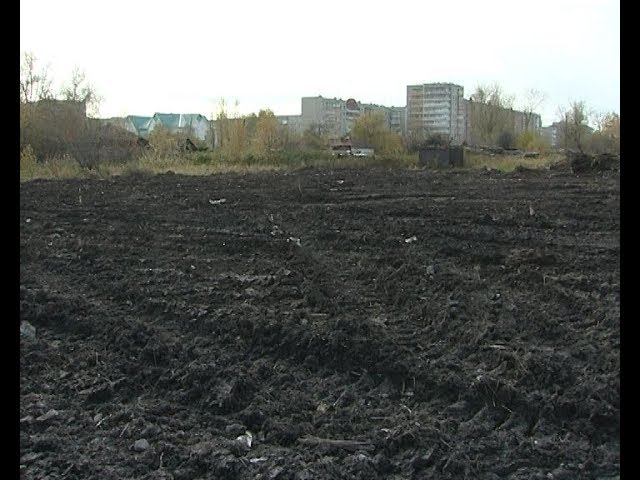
<point>178,120</point>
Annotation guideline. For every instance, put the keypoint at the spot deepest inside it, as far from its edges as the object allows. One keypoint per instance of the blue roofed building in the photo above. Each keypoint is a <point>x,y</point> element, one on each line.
<point>193,125</point>
<point>137,124</point>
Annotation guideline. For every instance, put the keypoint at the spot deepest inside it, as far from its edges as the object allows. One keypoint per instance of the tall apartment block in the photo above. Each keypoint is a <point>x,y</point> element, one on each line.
<point>432,109</point>
<point>436,108</point>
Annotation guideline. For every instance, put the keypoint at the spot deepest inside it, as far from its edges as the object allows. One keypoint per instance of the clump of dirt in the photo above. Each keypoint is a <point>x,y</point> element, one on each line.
<point>581,162</point>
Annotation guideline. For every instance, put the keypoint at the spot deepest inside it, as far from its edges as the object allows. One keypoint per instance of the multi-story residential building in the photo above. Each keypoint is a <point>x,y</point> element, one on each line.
<point>436,109</point>
<point>524,121</point>
<point>552,134</point>
<point>325,115</point>
<point>432,109</point>
<point>335,117</point>
<point>398,119</point>
<point>294,122</point>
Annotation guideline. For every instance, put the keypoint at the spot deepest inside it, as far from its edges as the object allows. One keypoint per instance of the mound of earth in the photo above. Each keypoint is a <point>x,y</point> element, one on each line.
<point>582,162</point>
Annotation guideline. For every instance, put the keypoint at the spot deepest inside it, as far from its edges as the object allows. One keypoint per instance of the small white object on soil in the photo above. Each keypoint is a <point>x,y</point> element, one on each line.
<point>294,240</point>
<point>141,445</point>
<point>245,439</point>
<point>27,330</point>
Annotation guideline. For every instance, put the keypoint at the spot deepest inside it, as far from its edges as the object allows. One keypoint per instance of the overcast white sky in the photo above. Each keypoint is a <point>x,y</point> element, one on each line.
<point>184,56</point>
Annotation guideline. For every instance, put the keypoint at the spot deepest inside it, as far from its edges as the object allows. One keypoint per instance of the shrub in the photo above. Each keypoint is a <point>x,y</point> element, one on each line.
<point>202,158</point>
<point>28,162</point>
<point>529,141</point>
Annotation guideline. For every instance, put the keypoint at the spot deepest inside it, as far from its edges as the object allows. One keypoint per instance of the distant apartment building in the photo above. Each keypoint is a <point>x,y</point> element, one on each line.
<point>398,119</point>
<point>554,134</point>
<point>335,117</point>
<point>441,109</point>
<point>551,134</point>
<point>485,123</point>
<point>294,122</point>
<point>436,109</point>
<point>324,115</point>
<point>523,121</point>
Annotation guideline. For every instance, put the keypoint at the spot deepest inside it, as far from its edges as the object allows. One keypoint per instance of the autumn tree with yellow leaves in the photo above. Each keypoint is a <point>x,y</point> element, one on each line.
<point>606,138</point>
<point>372,128</point>
<point>267,137</point>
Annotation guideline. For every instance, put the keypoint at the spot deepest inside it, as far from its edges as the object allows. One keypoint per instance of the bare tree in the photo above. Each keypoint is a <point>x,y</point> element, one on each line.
<point>491,112</point>
<point>35,84</point>
<point>605,120</point>
<point>493,94</point>
<point>232,130</point>
<point>79,89</point>
<point>574,121</point>
<point>606,138</point>
<point>211,132</point>
<point>221,128</point>
<point>532,101</point>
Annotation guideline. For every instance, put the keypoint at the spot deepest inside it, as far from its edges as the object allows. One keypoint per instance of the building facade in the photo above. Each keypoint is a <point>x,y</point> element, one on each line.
<point>294,122</point>
<point>398,120</point>
<point>436,109</point>
<point>335,117</point>
<point>552,134</point>
<point>326,116</point>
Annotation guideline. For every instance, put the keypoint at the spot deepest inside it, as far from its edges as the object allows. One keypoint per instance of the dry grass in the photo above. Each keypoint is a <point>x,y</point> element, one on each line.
<point>28,163</point>
<point>63,167</point>
<point>209,163</point>
<point>508,163</point>
<point>205,163</point>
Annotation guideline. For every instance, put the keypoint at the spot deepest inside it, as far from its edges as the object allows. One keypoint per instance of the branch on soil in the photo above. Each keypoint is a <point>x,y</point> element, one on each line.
<point>345,444</point>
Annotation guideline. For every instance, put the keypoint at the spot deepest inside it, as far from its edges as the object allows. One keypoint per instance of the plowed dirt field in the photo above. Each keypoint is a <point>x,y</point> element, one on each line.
<point>321,325</point>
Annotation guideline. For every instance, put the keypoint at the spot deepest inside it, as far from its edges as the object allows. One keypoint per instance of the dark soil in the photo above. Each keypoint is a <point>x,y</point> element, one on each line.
<point>359,324</point>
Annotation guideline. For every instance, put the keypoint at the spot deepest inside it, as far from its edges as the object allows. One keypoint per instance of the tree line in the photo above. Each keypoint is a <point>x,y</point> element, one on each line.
<point>36,83</point>
<point>491,122</point>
